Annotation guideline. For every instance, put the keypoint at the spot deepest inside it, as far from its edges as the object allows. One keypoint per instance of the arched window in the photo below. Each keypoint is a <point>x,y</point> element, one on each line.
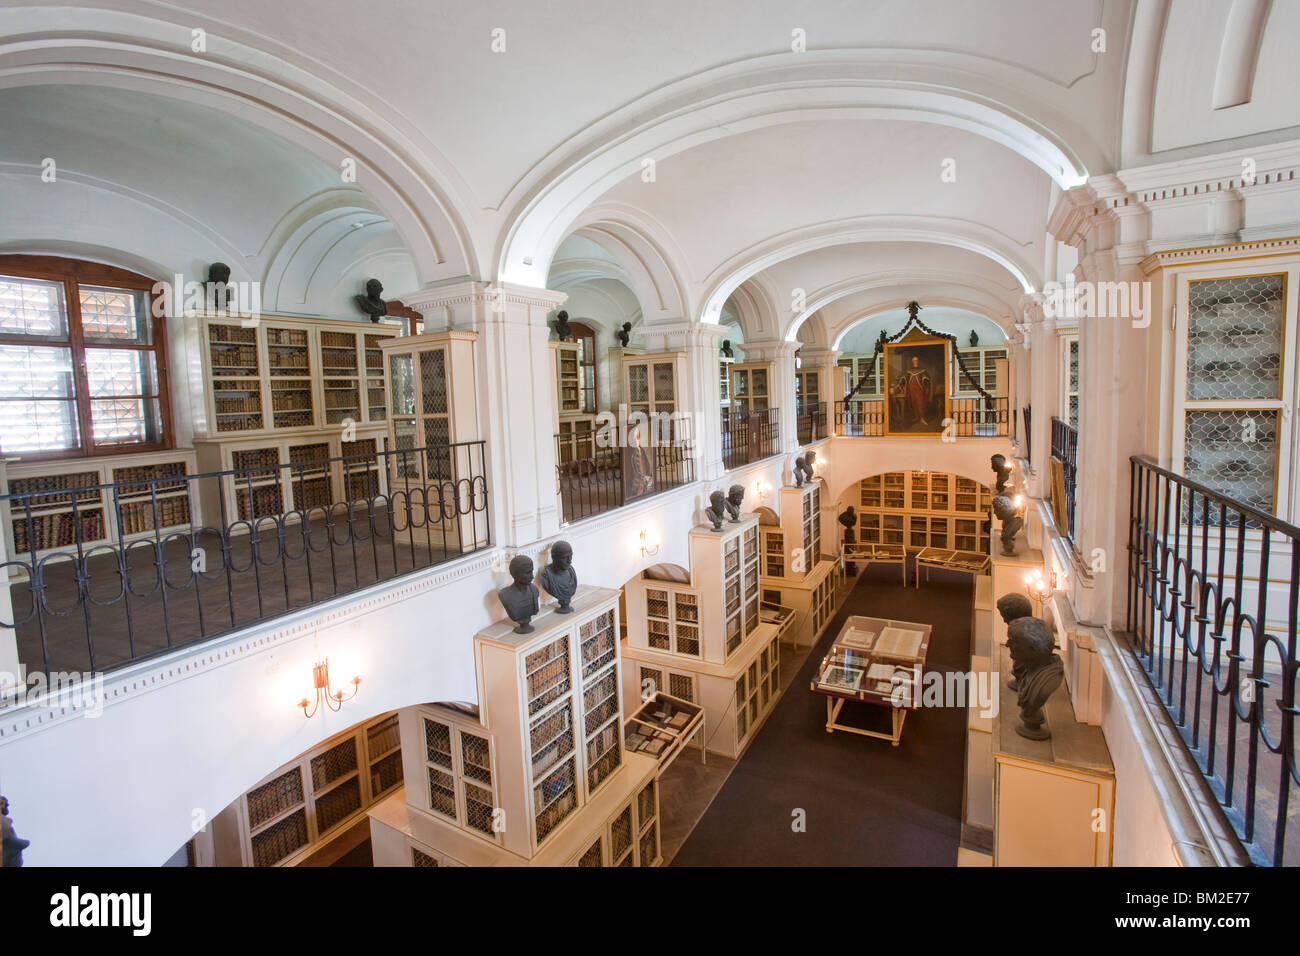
<point>585,336</point>
<point>83,360</point>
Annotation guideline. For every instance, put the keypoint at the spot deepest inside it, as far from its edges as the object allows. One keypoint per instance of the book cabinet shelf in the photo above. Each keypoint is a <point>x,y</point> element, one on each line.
<point>298,809</point>
<point>286,373</point>
<point>924,509</point>
<point>707,614</point>
<point>69,499</point>
<point>651,382</point>
<point>751,388</point>
<point>265,489</point>
<point>550,717</point>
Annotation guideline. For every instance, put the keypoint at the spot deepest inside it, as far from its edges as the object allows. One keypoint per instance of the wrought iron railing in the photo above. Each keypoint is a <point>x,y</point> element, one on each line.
<point>195,556</point>
<point>1065,449</point>
<point>595,473</point>
<point>810,421</point>
<point>750,437</point>
<point>1212,609</point>
<point>970,418</point>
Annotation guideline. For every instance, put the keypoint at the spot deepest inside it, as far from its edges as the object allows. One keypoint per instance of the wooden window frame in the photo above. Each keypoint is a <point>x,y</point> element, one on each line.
<point>73,273</point>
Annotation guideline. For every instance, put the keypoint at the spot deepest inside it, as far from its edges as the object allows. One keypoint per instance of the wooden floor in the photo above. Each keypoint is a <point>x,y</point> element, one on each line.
<point>149,609</point>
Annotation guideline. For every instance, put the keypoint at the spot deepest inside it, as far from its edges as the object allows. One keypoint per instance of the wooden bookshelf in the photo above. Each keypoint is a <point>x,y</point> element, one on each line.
<point>308,802</point>
<point>924,509</point>
<point>287,374</point>
<point>69,498</point>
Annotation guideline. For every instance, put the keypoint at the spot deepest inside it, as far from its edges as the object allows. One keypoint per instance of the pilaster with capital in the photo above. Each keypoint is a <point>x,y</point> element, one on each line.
<point>514,377</point>
<point>700,397</point>
<point>782,389</point>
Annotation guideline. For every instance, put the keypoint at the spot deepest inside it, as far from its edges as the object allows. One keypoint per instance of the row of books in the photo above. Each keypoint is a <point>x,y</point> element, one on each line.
<point>139,516</point>
<point>44,485</point>
<point>230,405</point>
<point>266,501</point>
<point>286,337</point>
<point>288,401</point>
<point>280,840</point>
<point>292,419</point>
<point>271,799</point>
<point>58,530</point>
<point>603,767</point>
<point>244,356</point>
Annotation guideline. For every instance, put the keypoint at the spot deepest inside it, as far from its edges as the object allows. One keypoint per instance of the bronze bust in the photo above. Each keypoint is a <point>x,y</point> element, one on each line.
<point>216,290</point>
<point>521,599</point>
<point>559,578</point>
<point>624,334</point>
<point>849,520</point>
<point>718,509</point>
<point>1040,672</point>
<point>562,331</point>
<point>1003,472</point>
<point>735,496</point>
<point>1012,607</point>
<point>803,469</point>
<point>371,303</point>
<point>1012,521</point>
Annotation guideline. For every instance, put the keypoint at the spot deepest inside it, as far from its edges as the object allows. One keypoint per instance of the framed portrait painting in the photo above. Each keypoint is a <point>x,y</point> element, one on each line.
<point>917,399</point>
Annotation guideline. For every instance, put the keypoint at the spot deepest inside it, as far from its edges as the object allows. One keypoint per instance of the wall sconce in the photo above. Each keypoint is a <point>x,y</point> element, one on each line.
<point>647,549</point>
<point>1039,589</point>
<point>761,488</point>
<point>334,700</point>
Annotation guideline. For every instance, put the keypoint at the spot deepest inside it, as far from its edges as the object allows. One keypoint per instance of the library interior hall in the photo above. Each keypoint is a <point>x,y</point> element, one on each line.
<point>618,435</point>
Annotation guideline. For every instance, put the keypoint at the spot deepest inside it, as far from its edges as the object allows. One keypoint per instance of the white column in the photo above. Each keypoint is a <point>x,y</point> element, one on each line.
<point>1113,371</point>
<point>1043,393</point>
<point>514,373</point>
<point>700,396</point>
<point>781,355</point>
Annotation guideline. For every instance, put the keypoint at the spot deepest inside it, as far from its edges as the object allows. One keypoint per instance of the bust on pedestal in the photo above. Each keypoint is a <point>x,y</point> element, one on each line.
<point>717,510</point>
<point>849,520</point>
<point>521,599</point>
<point>1012,607</point>
<point>734,499</point>
<point>559,578</point>
<point>1012,521</point>
<point>803,469</point>
<point>1040,672</point>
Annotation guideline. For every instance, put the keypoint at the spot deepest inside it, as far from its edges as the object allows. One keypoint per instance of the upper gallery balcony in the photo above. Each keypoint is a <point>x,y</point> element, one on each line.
<point>101,575</point>
<point>981,417</point>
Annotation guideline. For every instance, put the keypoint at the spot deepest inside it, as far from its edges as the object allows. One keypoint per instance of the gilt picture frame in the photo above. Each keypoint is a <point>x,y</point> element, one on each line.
<point>918,397</point>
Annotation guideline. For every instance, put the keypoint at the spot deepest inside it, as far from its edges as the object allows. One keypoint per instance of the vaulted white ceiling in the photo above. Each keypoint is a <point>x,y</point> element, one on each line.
<point>485,134</point>
<point>179,186</point>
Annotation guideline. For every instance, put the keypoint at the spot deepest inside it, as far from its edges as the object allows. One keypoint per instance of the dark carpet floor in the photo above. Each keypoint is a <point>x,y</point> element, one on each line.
<point>865,803</point>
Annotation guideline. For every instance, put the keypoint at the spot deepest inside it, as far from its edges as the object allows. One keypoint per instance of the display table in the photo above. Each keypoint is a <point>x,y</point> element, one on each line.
<point>878,662</point>
<point>970,562</point>
<point>878,554</point>
<point>662,728</point>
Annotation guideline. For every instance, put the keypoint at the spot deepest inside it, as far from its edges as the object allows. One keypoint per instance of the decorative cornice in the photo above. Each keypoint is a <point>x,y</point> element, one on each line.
<point>683,334</point>
<point>469,292</point>
<point>1217,253</point>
